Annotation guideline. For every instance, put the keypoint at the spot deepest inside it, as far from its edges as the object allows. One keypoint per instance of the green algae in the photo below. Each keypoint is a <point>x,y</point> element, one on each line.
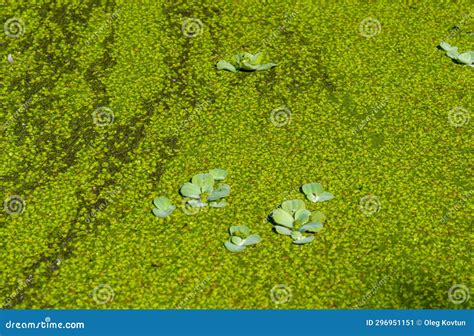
<point>174,116</point>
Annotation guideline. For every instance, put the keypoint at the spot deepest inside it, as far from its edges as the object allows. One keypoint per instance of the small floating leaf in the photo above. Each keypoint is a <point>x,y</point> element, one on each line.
<point>292,206</point>
<point>252,239</point>
<point>221,192</point>
<point>324,196</point>
<point>282,217</point>
<point>190,190</point>
<point>237,240</point>
<point>304,240</point>
<point>218,204</point>
<point>283,230</point>
<point>239,230</point>
<point>204,181</point>
<point>224,65</point>
<point>218,174</point>
<point>233,248</point>
<point>311,227</point>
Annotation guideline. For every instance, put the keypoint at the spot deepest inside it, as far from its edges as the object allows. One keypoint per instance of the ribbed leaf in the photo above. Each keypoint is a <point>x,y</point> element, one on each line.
<point>304,240</point>
<point>221,192</point>
<point>312,188</point>
<point>240,230</point>
<point>302,216</point>
<point>237,240</point>
<point>218,204</point>
<point>233,248</point>
<point>162,203</point>
<point>325,196</point>
<point>218,174</point>
<point>282,217</point>
<point>191,190</point>
<point>296,235</point>
<point>252,239</point>
<point>465,58</point>
<point>282,230</point>
<point>163,213</point>
<point>292,206</point>
<point>197,203</point>
<point>311,227</point>
<point>204,181</point>
<point>224,65</point>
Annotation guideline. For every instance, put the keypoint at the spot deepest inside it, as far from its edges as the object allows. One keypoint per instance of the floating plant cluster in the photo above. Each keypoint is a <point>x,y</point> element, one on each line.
<point>240,238</point>
<point>452,52</point>
<point>206,189</point>
<point>245,62</point>
<point>294,220</point>
<point>291,218</point>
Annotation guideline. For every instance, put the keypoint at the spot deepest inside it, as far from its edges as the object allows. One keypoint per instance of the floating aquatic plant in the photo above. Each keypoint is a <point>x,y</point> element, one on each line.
<point>203,190</point>
<point>240,238</point>
<point>315,192</point>
<point>245,62</point>
<point>293,219</point>
<point>453,53</point>
<point>164,207</point>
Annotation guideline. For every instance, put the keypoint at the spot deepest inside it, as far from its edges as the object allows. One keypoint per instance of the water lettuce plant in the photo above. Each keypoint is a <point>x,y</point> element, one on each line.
<point>452,52</point>
<point>164,207</point>
<point>240,238</point>
<point>203,190</point>
<point>294,220</point>
<point>315,192</point>
<point>245,62</point>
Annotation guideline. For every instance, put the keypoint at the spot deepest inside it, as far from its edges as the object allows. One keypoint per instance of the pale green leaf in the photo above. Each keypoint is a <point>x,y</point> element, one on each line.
<point>218,174</point>
<point>304,240</point>
<point>282,217</point>
<point>292,206</point>
<point>190,190</point>
<point>221,192</point>
<point>311,227</point>
<point>233,248</point>
<point>252,239</point>
<point>162,203</point>
<point>224,65</point>
<point>239,230</point>
<point>283,230</point>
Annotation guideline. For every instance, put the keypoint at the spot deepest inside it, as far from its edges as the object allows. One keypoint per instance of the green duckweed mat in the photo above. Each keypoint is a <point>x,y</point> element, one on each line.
<point>107,105</point>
